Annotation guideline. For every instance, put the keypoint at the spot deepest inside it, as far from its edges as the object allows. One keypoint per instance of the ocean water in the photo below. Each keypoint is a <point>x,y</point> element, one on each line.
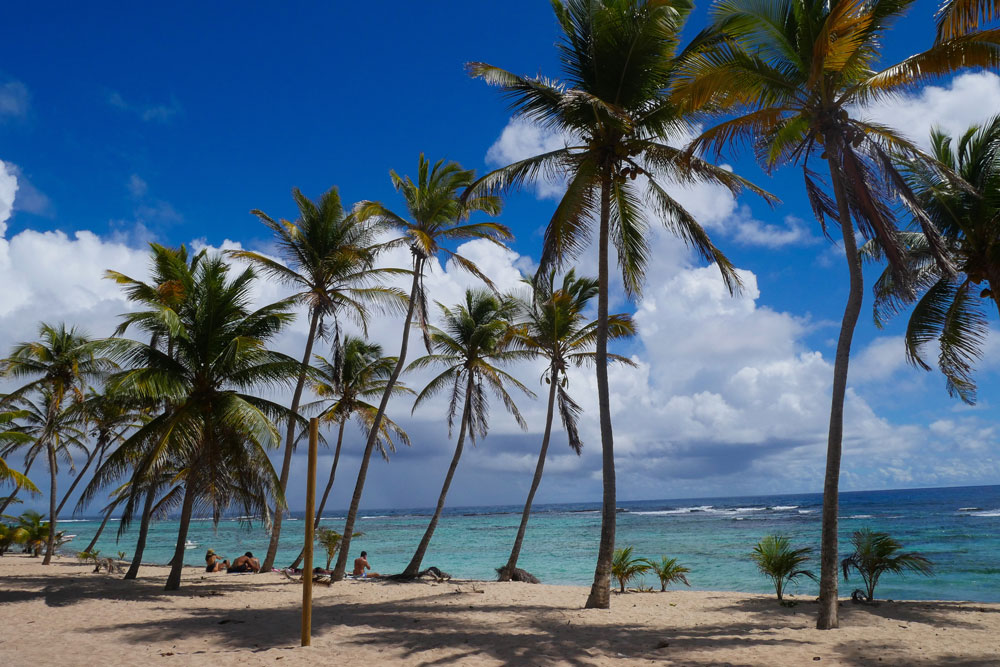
<point>957,528</point>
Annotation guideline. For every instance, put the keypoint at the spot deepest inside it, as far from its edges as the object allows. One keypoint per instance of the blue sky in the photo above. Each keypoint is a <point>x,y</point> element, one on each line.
<point>140,122</point>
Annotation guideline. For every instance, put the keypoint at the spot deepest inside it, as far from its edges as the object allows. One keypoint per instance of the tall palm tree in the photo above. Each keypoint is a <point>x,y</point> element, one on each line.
<point>956,18</point>
<point>798,71</point>
<point>622,60</point>
<point>60,364</point>
<point>949,305</point>
<point>437,216</point>
<point>554,328</point>
<point>343,394</point>
<point>474,339</point>
<point>329,260</point>
<point>214,434</point>
<point>172,272</point>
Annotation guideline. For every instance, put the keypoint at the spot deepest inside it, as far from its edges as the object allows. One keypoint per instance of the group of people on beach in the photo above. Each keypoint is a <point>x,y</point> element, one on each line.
<point>247,563</point>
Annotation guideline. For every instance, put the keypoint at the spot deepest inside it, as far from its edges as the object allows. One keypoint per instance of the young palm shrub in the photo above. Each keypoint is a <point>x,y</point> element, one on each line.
<point>344,394</point>
<point>669,571</point>
<point>330,540</point>
<point>876,553</point>
<point>9,536</point>
<point>622,60</point>
<point>625,568</point>
<point>777,560</point>
<point>437,216</point>
<point>798,73</point>
<point>329,260</point>
<point>33,531</point>
<point>552,326</point>
<point>214,435</point>
<point>474,339</point>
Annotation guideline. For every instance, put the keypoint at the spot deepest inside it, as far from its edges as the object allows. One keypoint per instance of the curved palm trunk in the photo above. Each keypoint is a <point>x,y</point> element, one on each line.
<point>50,543</point>
<point>827,618</point>
<point>17,488</point>
<point>515,552</point>
<point>414,567</point>
<point>100,529</point>
<point>326,492</point>
<point>600,591</point>
<point>140,545</point>
<point>177,562</point>
<point>272,547</point>
<point>99,447</point>
<point>352,512</point>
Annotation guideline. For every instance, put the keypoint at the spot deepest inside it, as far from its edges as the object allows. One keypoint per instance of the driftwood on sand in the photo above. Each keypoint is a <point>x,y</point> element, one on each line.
<point>432,572</point>
<point>517,574</point>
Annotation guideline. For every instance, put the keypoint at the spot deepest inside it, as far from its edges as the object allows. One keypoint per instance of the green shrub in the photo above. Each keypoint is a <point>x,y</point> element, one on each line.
<point>625,568</point>
<point>876,553</point>
<point>776,559</point>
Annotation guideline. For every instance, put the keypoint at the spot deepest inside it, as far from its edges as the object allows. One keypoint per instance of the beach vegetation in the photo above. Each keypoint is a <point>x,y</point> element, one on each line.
<point>669,571</point>
<point>877,553</point>
<point>331,540</point>
<point>34,531</point>
<point>776,559</point>
<point>615,108</point>
<point>329,260</point>
<point>797,73</point>
<point>436,216</point>
<point>625,567</point>
<point>551,324</point>
<point>10,535</point>
<point>472,344</point>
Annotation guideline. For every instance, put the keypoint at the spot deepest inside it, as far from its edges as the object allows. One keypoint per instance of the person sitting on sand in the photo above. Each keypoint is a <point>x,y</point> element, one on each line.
<point>245,563</point>
<point>214,563</point>
<point>361,564</point>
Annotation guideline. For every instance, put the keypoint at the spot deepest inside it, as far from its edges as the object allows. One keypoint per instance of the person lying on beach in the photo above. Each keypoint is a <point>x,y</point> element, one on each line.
<point>214,563</point>
<point>361,564</point>
<point>245,563</point>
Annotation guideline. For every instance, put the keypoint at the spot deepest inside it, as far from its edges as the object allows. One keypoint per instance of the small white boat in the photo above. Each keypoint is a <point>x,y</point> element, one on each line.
<point>188,544</point>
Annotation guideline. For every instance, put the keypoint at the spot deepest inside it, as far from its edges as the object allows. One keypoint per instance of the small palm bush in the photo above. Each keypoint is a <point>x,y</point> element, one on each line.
<point>625,568</point>
<point>668,571</point>
<point>776,559</point>
<point>331,540</point>
<point>876,553</point>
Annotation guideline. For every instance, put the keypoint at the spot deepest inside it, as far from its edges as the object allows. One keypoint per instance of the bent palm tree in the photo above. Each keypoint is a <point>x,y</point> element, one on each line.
<point>362,377</point>
<point>214,434</point>
<point>436,216</point>
<point>473,338</point>
<point>948,305</point>
<point>622,61</point>
<point>798,71</point>
<point>554,328</point>
<point>329,260</point>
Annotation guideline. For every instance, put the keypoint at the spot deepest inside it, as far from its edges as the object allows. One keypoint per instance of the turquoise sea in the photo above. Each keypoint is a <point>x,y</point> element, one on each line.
<point>958,528</point>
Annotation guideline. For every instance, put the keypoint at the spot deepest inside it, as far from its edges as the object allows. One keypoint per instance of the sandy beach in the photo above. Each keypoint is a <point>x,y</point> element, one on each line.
<point>65,615</point>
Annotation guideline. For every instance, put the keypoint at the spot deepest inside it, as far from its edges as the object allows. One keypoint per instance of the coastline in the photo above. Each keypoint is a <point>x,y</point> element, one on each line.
<point>65,615</point>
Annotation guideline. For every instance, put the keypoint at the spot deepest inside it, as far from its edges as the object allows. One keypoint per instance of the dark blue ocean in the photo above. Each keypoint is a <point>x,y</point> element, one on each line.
<point>958,528</point>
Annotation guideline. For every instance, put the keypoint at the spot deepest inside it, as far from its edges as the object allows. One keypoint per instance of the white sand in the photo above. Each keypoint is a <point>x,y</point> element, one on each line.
<point>64,615</point>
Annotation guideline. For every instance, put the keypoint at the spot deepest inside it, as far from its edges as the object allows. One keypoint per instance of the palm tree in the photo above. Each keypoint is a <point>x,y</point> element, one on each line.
<point>622,61</point>
<point>8,474</point>
<point>554,328</point>
<point>10,535</point>
<point>214,434</point>
<point>798,71</point>
<point>473,340</point>
<point>34,531</point>
<point>957,18</point>
<point>11,434</point>
<point>329,260</point>
<point>669,571</point>
<point>437,216</point>
<point>61,363</point>
<point>344,393</point>
<point>875,554</point>
<point>777,560</point>
<point>948,305</point>
<point>625,568</point>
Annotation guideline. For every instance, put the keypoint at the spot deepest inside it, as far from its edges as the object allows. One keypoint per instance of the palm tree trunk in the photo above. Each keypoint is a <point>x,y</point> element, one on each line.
<point>828,601</point>
<point>414,567</point>
<point>352,512</point>
<point>17,488</point>
<point>515,552</point>
<point>326,492</point>
<point>600,591</point>
<point>50,543</point>
<point>99,446</point>
<point>140,545</point>
<point>272,547</point>
<point>177,562</point>
<point>100,529</point>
